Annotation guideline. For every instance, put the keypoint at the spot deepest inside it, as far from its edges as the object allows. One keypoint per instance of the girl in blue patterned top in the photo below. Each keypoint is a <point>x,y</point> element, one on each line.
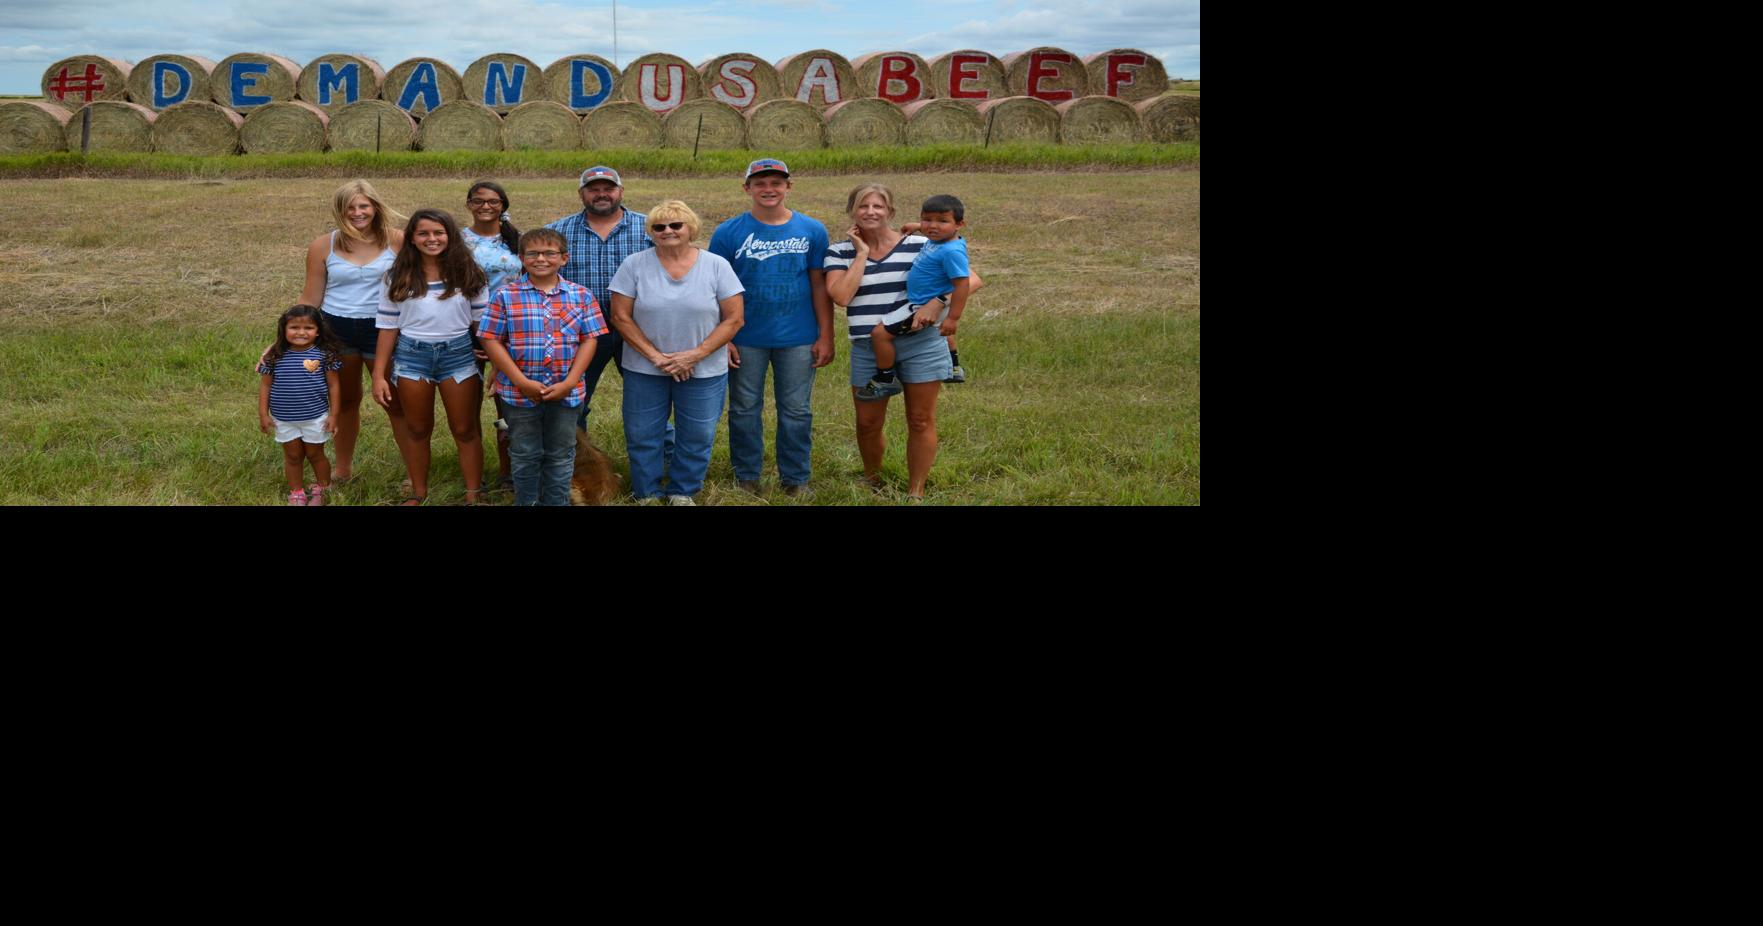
<point>299,380</point>
<point>494,242</point>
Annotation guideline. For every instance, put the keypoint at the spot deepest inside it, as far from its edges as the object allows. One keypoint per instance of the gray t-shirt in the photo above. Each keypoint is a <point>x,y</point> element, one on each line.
<point>676,315</point>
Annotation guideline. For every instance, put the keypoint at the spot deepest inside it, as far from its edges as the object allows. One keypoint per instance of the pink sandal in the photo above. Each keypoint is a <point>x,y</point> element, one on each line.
<point>297,498</point>
<point>315,496</point>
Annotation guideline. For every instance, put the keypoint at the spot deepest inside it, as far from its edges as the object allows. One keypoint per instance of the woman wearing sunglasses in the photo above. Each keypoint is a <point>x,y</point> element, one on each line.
<point>676,307</point>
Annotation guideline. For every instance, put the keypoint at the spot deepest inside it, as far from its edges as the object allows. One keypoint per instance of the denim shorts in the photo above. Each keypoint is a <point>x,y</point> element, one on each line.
<point>433,361</point>
<point>359,335</point>
<point>918,358</point>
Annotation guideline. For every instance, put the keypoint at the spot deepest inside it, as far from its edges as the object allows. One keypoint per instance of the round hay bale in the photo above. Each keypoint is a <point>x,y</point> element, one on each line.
<point>116,126</point>
<point>581,82</point>
<point>865,122</point>
<point>198,128</point>
<point>421,85</point>
<point>896,76</point>
<point>724,126</point>
<point>33,127</point>
<point>73,82</point>
<point>741,80</point>
<point>503,81</point>
<point>969,74</point>
<point>1127,74</point>
<point>541,124</point>
<point>1098,120</point>
<point>1170,118</point>
<point>621,124</point>
<point>372,125</point>
<point>661,82</point>
<point>1047,73</point>
<point>943,122</point>
<point>167,80</point>
<point>819,78</point>
<point>289,127</point>
<point>247,80</point>
<point>331,82</point>
<point>785,125</point>
<point>462,125</point>
<point>1021,118</point>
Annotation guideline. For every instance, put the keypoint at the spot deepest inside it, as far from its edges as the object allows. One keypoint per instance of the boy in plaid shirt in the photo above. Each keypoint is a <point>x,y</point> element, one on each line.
<point>539,332</point>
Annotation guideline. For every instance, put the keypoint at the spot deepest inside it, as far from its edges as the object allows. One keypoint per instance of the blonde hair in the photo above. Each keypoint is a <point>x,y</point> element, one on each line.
<point>383,217</point>
<point>863,190</point>
<point>673,210</point>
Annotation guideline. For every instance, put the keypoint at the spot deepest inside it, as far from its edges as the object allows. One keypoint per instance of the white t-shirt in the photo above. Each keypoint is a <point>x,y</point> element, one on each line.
<point>432,318</point>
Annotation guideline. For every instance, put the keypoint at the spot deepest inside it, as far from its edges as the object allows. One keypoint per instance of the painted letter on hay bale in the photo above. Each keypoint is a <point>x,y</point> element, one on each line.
<point>503,81</point>
<point>197,128</point>
<point>73,82</point>
<point>1046,73</point>
<point>661,82</point>
<point>167,80</point>
<point>969,75</point>
<point>372,125</point>
<point>421,85</point>
<point>896,76</point>
<point>116,126</point>
<point>1126,73</point>
<point>331,82</point>
<point>819,78</point>
<point>581,82</point>
<point>33,127</point>
<point>741,80</point>
<point>248,80</point>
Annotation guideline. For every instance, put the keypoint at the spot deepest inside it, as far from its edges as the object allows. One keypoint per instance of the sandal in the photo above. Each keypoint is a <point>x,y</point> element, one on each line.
<point>315,496</point>
<point>474,497</point>
<point>411,501</point>
<point>297,498</point>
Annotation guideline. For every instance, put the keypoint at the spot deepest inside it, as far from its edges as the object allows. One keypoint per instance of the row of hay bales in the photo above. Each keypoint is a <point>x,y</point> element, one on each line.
<point>206,129</point>
<point>583,82</point>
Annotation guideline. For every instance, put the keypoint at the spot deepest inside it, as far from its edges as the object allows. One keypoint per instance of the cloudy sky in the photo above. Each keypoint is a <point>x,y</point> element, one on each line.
<point>36,34</point>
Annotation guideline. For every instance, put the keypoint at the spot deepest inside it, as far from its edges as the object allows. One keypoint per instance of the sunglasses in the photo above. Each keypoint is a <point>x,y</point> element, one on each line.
<point>676,226</point>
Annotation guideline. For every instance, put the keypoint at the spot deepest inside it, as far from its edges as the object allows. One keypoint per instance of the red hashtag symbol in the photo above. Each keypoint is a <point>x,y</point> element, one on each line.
<point>93,83</point>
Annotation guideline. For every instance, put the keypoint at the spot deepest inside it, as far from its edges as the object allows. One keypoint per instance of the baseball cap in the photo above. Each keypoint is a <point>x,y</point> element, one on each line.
<point>765,165</point>
<point>601,172</point>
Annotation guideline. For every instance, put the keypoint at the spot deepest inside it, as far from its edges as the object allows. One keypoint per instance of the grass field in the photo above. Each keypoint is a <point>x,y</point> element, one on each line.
<point>131,312</point>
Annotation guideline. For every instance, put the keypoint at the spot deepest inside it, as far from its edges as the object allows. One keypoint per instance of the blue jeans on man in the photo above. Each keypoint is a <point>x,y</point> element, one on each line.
<point>696,405</point>
<point>792,380</point>
<point>541,451</point>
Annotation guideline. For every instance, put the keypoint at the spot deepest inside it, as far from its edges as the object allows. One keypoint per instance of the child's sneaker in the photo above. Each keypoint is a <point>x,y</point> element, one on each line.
<point>957,375</point>
<point>297,498</point>
<point>873,391</point>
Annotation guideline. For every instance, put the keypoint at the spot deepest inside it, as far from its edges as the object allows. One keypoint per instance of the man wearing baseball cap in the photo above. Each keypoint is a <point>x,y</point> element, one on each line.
<point>600,237</point>
<point>777,253</point>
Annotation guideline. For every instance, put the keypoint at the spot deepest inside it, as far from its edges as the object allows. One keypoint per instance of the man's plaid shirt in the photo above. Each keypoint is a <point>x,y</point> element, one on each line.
<point>593,261</point>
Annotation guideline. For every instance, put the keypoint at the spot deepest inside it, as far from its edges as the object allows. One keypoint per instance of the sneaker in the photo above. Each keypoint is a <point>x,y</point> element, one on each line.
<point>681,501</point>
<point>297,498</point>
<point>650,500</point>
<point>957,375</point>
<point>795,491</point>
<point>748,485</point>
<point>315,496</point>
<point>873,391</point>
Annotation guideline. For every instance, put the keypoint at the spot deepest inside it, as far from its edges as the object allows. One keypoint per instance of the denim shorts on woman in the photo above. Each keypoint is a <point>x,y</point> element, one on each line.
<point>433,361</point>
<point>359,335</point>
<point>920,357</point>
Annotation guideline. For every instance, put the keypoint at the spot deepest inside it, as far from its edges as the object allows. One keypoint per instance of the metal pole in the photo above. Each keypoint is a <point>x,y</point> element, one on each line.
<point>376,133</point>
<point>615,33</point>
<point>700,135</point>
<point>86,130</point>
<point>990,117</point>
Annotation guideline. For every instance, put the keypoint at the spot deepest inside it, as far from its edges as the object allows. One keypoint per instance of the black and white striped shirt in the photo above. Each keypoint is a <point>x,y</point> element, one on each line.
<point>884,282</point>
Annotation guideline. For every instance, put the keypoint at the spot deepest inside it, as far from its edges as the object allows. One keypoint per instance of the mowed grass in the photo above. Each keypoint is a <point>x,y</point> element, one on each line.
<point>132,311</point>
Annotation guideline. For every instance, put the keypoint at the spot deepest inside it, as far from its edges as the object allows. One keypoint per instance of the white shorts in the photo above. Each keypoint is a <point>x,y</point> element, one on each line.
<point>312,432</point>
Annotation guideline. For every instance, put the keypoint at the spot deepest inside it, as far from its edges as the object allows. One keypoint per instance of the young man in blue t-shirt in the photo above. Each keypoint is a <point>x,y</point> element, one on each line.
<point>777,253</point>
<point>936,284</point>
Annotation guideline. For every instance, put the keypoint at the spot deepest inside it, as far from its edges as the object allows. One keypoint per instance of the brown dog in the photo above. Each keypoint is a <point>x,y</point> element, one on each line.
<point>594,482</point>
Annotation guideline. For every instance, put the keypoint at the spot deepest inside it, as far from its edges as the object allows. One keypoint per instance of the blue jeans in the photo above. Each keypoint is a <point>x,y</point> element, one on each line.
<point>607,348</point>
<point>541,451</point>
<point>696,406</point>
<point>792,381</point>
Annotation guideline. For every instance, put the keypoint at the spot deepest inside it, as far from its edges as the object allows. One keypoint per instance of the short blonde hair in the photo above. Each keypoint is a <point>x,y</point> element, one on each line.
<point>384,219</point>
<point>670,211</point>
<point>863,190</point>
